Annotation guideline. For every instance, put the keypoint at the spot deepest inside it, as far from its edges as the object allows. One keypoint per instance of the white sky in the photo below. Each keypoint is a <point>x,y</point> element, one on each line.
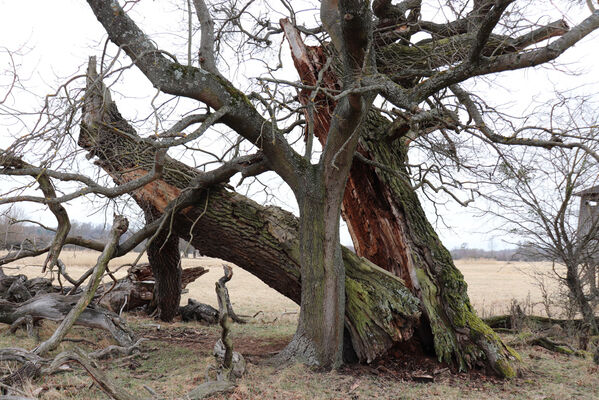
<point>56,37</point>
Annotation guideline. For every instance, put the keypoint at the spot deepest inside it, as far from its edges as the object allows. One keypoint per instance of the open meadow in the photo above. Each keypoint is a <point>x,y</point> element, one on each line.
<point>175,357</point>
<point>492,285</point>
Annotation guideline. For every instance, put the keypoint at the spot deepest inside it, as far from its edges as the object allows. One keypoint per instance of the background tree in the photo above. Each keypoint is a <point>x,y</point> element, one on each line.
<point>538,194</point>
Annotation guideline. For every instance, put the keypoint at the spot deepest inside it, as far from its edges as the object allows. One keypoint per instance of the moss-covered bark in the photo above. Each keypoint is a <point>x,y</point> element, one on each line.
<point>413,250</point>
<point>389,227</point>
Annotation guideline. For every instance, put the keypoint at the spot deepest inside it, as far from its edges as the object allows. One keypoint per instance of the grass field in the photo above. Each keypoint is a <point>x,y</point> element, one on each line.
<point>491,284</point>
<point>176,356</point>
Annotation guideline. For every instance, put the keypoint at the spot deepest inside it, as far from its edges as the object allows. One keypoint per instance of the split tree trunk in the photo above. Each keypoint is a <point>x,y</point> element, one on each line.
<point>389,227</point>
<point>380,311</point>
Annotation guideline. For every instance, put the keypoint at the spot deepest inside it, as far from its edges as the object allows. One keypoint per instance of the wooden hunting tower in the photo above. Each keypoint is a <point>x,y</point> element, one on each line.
<point>589,209</point>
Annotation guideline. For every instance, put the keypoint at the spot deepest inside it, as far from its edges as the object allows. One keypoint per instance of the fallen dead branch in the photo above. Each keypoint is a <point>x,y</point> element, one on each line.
<point>112,351</point>
<point>55,307</point>
<point>230,364</point>
<point>119,227</point>
<point>35,366</point>
<point>506,322</point>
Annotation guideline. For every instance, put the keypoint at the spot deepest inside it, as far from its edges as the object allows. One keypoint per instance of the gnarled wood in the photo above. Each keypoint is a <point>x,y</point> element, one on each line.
<point>55,307</point>
<point>388,227</point>
<point>137,288</point>
<point>119,227</point>
<point>262,240</point>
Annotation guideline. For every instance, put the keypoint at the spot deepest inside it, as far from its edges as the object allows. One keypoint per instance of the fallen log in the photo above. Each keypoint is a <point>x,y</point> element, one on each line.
<point>55,307</point>
<point>18,288</point>
<point>137,288</point>
<point>200,312</point>
<point>556,347</point>
<point>134,290</point>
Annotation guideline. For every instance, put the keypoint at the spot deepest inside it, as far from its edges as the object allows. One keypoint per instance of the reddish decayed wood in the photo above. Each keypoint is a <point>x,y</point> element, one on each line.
<point>367,209</point>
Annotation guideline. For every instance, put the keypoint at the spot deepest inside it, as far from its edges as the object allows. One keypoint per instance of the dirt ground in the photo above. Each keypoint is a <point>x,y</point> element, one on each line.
<point>176,355</point>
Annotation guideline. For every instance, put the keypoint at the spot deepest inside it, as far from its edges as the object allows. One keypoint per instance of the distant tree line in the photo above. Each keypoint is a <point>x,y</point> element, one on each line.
<point>17,230</point>
<point>520,253</point>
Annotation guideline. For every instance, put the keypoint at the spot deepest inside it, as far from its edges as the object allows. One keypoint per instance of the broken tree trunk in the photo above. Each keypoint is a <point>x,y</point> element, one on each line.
<point>380,310</point>
<point>128,293</point>
<point>137,288</point>
<point>389,227</point>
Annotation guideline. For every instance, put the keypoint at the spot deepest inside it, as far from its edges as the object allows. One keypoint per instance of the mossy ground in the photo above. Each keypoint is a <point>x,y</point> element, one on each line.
<point>176,356</point>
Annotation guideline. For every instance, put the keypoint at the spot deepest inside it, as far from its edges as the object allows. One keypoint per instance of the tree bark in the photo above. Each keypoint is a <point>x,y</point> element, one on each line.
<point>319,337</point>
<point>165,260</point>
<point>262,240</point>
<point>389,227</point>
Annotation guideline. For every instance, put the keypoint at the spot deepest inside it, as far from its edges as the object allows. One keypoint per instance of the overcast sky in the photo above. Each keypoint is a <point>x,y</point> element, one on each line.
<point>53,40</point>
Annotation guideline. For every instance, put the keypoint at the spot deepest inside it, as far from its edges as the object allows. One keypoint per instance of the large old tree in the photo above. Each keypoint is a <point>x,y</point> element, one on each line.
<point>362,54</point>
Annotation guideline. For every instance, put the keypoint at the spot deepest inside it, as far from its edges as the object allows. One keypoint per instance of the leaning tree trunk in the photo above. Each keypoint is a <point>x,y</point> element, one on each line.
<point>165,261</point>
<point>380,311</point>
<point>389,227</point>
<point>264,241</point>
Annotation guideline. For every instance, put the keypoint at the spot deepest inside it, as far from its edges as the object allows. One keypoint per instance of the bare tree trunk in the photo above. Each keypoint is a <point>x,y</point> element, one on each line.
<point>165,260</point>
<point>319,336</point>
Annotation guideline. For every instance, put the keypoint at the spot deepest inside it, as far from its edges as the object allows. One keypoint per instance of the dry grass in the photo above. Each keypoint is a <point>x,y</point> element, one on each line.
<point>491,284</point>
<point>175,358</point>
